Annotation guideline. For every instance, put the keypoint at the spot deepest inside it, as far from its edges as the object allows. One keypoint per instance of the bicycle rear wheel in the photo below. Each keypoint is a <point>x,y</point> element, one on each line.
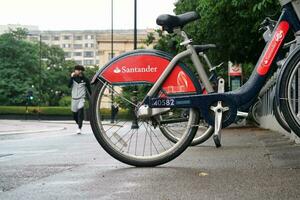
<point>177,120</point>
<point>290,94</point>
<point>132,140</point>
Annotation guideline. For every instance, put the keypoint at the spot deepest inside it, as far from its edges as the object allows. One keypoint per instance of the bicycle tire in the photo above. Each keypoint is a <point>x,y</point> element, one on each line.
<point>284,83</point>
<point>279,117</point>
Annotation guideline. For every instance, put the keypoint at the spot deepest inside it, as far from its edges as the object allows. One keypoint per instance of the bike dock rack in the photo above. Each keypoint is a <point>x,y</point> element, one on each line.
<point>264,112</point>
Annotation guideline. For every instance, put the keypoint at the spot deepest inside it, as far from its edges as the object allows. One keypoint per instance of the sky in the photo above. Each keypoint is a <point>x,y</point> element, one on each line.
<point>82,14</point>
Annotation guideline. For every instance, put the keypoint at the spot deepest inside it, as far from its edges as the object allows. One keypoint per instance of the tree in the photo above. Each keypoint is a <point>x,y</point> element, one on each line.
<point>231,24</point>
<point>18,63</point>
<point>20,71</point>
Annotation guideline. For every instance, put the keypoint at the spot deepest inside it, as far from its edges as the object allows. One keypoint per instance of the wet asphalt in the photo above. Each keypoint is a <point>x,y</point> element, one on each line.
<point>57,164</point>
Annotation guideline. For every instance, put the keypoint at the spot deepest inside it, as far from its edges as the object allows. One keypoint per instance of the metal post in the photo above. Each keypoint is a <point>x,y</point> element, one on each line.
<point>135,25</point>
<point>112,29</point>
<point>112,120</point>
<point>40,77</point>
<point>135,120</point>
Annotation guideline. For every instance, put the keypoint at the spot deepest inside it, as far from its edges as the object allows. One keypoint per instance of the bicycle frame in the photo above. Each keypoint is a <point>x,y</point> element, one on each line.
<point>235,99</point>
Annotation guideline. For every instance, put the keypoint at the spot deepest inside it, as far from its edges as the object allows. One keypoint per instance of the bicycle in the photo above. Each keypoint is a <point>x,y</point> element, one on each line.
<point>160,95</point>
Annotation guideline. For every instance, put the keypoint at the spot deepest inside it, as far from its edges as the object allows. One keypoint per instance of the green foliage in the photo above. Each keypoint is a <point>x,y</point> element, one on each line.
<point>122,114</point>
<point>65,101</point>
<point>150,39</point>
<point>18,64</point>
<point>132,93</point>
<point>21,71</point>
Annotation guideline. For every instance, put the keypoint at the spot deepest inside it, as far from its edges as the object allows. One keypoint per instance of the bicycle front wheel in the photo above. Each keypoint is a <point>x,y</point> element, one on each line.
<point>290,94</point>
<point>128,138</point>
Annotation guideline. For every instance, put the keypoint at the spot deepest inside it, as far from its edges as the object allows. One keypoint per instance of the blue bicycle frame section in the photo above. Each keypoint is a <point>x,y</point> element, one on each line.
<point>249,91</point>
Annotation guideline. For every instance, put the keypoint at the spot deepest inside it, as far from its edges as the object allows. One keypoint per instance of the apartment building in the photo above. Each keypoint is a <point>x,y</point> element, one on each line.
<point>123,42</point>
<point>80,46</point>
<point>90,48</point>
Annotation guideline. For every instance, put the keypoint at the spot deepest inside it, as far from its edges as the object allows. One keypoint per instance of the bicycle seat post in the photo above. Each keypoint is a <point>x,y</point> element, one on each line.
<point>186,40</point>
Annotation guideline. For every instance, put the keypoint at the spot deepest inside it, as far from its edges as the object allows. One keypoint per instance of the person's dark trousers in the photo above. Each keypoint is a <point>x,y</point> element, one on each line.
<point>78,117</point>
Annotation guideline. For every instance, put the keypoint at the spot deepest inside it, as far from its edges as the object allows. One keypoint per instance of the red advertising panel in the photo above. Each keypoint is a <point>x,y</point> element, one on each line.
<point>148,68</point>
<point>273,47</point>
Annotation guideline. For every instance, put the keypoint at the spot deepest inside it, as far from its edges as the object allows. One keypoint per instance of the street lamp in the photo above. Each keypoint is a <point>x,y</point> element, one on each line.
<point>135,124</point>
<point>112,120</point>
<point>135,25</point>
<point>112,29</point>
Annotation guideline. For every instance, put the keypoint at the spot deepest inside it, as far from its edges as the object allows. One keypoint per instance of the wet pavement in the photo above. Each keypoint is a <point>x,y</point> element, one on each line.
<point>55,163</point>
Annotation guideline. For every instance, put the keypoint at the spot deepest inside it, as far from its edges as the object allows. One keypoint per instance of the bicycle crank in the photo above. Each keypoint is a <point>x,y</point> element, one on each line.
<point>218,110</point>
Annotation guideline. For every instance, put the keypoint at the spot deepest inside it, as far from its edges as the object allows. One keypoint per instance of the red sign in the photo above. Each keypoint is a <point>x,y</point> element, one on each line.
<point>235,70</point>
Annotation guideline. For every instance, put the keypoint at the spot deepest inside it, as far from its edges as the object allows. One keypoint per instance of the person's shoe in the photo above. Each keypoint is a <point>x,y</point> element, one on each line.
<point>78,131</point>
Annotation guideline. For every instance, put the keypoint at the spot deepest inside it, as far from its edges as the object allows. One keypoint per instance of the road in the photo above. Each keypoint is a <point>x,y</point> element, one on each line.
<point>55,163</point>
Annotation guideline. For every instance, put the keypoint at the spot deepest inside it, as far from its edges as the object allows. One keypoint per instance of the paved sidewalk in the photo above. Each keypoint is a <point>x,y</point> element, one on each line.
<point>253,163</point>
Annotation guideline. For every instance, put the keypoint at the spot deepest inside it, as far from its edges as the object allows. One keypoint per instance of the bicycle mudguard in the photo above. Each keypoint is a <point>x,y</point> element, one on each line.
<point>146,66</point>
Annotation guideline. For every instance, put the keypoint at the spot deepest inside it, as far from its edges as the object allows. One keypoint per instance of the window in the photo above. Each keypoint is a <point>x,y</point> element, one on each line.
<point>68,54</point>
<point>97,62</point>
<point>77,53</point>
<point>45,37</point>
<point>67,37</point>
<point>89,45</point>
<point>56,38</point>
<point>89,37</point>
<point>77,46</point>
<point>79,62</point>
<point>88,54</point>
<point>88,62</point>
<point>78,37</point>
<point>101,52</point>
<point>66,45</point>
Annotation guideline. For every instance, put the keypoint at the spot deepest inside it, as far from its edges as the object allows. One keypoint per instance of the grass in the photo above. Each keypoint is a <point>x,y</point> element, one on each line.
<point>32,110</point>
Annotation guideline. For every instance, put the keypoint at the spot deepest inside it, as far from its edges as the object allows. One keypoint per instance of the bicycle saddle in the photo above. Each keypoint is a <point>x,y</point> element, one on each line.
<point>169,22</point>
<point>204,47</point>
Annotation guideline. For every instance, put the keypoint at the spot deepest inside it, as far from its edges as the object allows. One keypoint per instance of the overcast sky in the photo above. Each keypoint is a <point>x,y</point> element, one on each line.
<point>82,14</point>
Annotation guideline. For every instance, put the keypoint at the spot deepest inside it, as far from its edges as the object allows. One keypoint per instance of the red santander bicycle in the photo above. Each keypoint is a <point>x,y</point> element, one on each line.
<point>147,106</point>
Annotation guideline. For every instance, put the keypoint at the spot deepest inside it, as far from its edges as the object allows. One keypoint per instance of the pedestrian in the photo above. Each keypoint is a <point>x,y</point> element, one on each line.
<point>114,112</point>
<point>80,86</point>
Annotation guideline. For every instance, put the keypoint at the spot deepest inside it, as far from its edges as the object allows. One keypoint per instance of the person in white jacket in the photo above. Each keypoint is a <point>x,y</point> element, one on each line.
<point>80,85</point>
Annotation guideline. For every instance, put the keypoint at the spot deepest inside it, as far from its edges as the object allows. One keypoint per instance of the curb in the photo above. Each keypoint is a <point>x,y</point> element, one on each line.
<point>31,131</point>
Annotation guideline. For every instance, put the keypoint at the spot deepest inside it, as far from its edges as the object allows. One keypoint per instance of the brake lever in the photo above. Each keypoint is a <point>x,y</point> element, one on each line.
<point>287,45</point>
